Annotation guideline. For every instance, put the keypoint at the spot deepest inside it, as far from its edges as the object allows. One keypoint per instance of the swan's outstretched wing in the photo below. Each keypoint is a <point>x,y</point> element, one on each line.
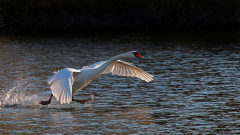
<point>127,69</point>
<point>61,84</point>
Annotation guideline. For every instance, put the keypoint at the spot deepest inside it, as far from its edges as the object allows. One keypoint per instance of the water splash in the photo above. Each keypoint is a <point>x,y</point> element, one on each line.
<point>19,95</point>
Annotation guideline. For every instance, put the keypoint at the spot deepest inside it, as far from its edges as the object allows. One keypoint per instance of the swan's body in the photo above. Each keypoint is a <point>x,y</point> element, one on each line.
<point>68,81</point>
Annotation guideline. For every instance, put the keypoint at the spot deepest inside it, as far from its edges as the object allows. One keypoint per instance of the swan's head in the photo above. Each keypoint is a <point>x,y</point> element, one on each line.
<point>136,54</point>
<point>132,54</point>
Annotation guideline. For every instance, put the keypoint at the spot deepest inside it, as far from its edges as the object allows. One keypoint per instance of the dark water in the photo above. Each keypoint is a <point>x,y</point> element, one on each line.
<point>195,87</point>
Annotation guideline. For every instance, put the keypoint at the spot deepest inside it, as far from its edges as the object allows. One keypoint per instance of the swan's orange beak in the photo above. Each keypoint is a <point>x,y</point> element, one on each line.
<point>138,55</point>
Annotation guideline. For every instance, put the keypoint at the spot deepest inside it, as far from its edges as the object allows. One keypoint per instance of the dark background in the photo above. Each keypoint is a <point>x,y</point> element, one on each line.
<point>76,16</point>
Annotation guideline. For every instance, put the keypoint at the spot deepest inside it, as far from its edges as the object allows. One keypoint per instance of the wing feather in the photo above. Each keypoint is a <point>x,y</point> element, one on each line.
<point>127,69</point>
<point>61,85</point>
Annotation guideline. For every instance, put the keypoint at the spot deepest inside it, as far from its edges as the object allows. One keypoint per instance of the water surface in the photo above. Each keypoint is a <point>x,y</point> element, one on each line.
<point>195,87</point>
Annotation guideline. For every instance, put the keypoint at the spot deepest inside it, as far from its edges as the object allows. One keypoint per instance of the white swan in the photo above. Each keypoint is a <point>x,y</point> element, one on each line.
<point>68,81</point>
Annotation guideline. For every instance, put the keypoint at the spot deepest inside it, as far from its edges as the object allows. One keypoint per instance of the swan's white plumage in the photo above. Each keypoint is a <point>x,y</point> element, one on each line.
<point>68,81</point>
<point>93,66</point>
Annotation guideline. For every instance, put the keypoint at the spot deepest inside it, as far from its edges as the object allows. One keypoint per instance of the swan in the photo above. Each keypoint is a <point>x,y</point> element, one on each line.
<point>68,81</point>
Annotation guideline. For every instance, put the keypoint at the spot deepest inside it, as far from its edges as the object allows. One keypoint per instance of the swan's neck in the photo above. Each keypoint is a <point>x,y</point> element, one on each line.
<point>110,61</point>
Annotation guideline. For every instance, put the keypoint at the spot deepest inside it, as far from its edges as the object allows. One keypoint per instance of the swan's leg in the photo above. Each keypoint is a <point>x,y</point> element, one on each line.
<point>79,101</point>
<point>83,101</point>
<point>47,102</point>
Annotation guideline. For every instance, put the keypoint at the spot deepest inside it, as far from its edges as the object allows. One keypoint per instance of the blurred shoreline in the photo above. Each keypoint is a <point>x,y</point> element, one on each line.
<point>31,16</point>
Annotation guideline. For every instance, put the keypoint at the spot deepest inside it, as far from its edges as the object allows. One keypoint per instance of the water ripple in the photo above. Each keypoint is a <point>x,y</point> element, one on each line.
<point>195,87</point>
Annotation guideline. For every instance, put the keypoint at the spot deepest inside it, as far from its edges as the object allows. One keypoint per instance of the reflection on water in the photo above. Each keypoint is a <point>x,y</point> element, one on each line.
<point>195,87</point>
